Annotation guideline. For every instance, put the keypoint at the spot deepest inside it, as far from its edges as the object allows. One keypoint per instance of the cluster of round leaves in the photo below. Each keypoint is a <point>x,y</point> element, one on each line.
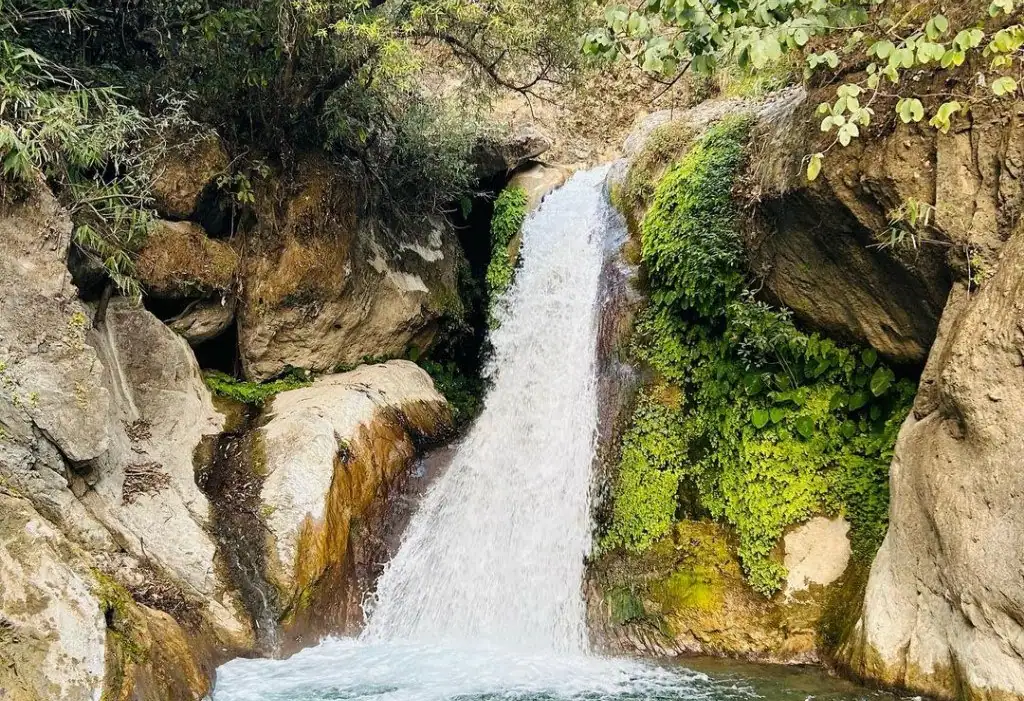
<point>750,421</point>
<point>669,37</point>
<point>931,44</point>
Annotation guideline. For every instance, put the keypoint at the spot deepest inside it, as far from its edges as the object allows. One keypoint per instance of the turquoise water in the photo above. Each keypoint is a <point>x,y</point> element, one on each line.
<point>351,670</point>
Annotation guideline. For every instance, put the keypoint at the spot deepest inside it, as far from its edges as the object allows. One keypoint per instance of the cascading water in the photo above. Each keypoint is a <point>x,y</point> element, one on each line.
<point>484,600</point>
<point>496,550</point>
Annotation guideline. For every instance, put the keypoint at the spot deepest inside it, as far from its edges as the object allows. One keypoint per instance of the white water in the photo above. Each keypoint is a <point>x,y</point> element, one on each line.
<point>484,601</point>
<point>495,552</point>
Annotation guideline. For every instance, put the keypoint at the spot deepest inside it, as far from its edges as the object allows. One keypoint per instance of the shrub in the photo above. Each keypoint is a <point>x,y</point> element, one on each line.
<point>508,218</point>
<point>752,420</point>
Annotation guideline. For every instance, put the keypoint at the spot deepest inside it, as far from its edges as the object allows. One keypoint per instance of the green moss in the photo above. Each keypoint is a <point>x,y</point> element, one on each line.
<point>254,393</point>
<point>691,244</point>
<point>751,421</point>
<point>508,218</point>
<point>666,144</point>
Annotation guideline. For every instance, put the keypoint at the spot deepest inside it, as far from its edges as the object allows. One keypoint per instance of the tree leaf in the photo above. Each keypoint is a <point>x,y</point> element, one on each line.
<point>804,426</point>
<point>881,380</point>
<point>759,418</point>
<point>814,166</point>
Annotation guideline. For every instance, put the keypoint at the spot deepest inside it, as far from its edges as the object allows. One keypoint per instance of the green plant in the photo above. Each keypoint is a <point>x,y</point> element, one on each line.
<point>690,242</point>
<point>751,421</point>
<point>668,38</point>
<point>464,392</point>
<point>255,393</point>
<point>508,218</point>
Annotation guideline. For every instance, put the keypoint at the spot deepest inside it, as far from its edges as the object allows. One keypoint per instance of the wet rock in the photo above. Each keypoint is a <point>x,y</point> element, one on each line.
<point>330,451</point>
<point>944,604</point>
<point>186,169</point>
<point>338,286</point>
<point>538,181</point>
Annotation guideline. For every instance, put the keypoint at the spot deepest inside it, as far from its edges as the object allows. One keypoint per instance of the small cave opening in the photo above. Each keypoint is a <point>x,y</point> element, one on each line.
<point>221,352</point>
<point>472,223</point>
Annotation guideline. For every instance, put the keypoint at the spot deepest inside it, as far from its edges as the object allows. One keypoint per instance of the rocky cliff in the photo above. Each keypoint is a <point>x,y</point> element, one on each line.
<point>938,613</point>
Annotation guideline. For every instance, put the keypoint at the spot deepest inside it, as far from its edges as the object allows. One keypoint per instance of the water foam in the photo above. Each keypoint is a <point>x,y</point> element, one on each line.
<point>496,550</point>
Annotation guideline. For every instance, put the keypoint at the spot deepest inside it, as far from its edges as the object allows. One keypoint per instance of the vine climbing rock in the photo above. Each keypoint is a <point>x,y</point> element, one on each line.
<point>944,609</point>
<point>331,452</point>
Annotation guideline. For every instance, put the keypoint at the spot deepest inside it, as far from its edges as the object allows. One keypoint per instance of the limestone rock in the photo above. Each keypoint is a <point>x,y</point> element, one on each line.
<point>817,552</point>
<point>204,320</point>
<point>687,595</point>
<point>52,631</point>
<point>497,155</point>
<point>97,430</point>
<point>185,171</point>
<point>180,261</point>
<point>944,604</point>
<point>331,450</point>
<point>342,286</point>
<point>538,182</point>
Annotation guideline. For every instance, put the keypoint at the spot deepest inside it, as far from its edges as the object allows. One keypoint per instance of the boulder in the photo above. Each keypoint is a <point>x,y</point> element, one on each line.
<point>97,431</point>
<point>204,320</point>
<point>816,552</point>
<point>52,629</point>
<point>944,609</point>
<point>179,261</point>
<point>330,452</point>
<point>538,181</point>
<point>187,168</point>
<point>502,153</point>
<point>332,286</point>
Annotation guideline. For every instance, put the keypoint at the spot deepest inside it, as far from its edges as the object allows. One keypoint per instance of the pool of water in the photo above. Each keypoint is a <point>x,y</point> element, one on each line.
<point>354,670</point>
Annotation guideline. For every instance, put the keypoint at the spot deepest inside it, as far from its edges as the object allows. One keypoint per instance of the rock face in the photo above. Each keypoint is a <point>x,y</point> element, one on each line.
<point>180,261</point>
<point>332,452</point>
<point>185,171</point>
<point>97,428</point>
<point>499,155</point>
<point>687,595</point>
<point>52,630</point>
<point>817,247</point>
<point>335,287</point>
<point>944,605</point>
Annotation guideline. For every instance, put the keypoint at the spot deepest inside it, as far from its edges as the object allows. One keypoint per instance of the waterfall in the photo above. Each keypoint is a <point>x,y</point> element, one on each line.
<point>496,550</point>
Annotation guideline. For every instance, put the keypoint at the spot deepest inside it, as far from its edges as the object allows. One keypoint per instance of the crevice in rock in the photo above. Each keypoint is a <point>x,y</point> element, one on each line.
<point>230,472</point>
<point>221,353</point>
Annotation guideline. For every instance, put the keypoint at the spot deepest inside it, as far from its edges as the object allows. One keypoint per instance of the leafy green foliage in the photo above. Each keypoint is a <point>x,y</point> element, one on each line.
<point>667,38</point>
<point>86,142</point>
<point>751,420</point>
<point>508,218</point>
<point>690,242</point>
<point>254,393</point>
<point>463,391</point>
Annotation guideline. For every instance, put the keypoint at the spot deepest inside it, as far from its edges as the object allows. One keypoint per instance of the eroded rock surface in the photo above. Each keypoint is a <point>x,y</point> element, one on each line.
<point>97,428</point>
<point>332,451</point>
<point>944,605</point>
<point>335,288</point>
<point>187,169</point>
